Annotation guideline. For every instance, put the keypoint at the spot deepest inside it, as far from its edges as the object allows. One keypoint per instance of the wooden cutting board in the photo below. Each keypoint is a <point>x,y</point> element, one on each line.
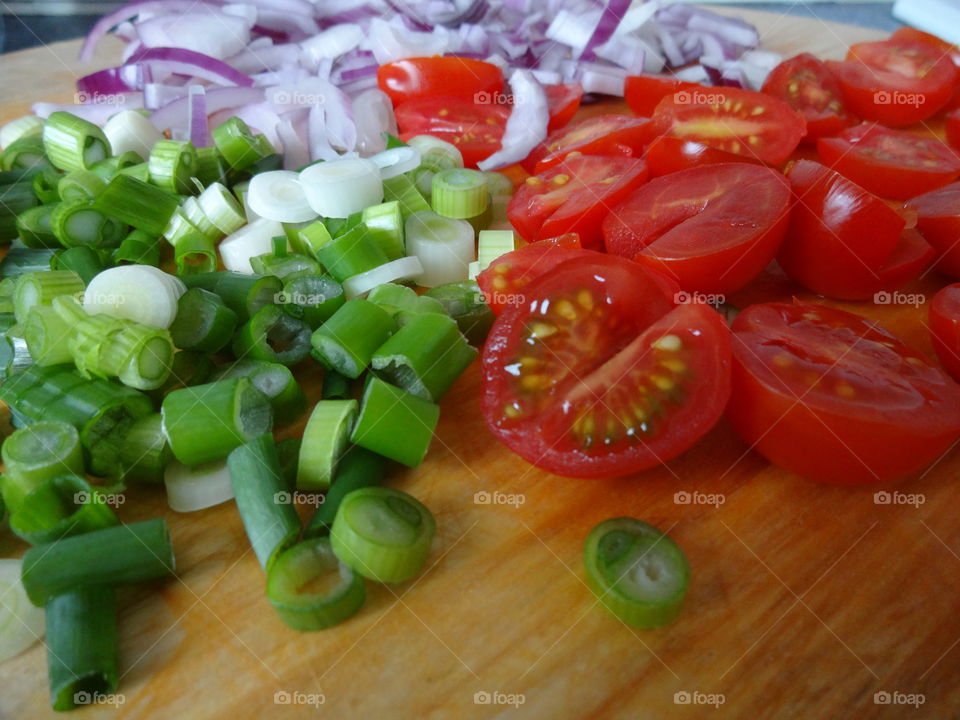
<point>804,602</point>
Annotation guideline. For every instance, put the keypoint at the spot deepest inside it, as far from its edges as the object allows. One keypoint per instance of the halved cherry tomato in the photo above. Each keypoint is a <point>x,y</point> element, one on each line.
<point>563,101</point>
<point>567,240</point>
<point>738,121</point>
<point>502,283</point>
<point>895,82</point>
<point>912,35</point>
<point>840,236</point>
<point>619,135</point>
<point>450,76</point>
<point>835,398</point>
<point>644,92</point>
<point>475,129</point>
<point>806,85</point>
<point>890,163</point>
<point>938,220</point>
<point>599,375</point>
<point>667,155</point>
<point>953,128</point>
<point>945,328</point>
<point>712,228</point>
<point>574,196</point>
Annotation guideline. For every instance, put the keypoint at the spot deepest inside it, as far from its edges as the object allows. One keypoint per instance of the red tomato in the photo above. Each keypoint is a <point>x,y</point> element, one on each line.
<point>667,155</point>
<point>502,283</point>
<point>841,237</point>
<point>424,77</point>
<point>563,102</point>
<point>912,35</point>
<point>599,375</point>
<point>644,92</point>
<point>712,228</point>
<point>945,328</point>
<point>953,128</point>
<point>938,220</point>
<point>574,196</point>
<point>567,240</point>
<point>895,82</point>
<point>599,135</point>
<point>835,398</point>
<point>475,129</point>
<point>738,121</point>
<point>890,163</point>
<point>806,85</point>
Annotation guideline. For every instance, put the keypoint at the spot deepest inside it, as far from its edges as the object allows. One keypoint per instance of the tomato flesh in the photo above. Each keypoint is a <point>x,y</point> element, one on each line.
<point>425,77</point>
<point>938,220</point>
<point>806,85</point>
<point>476,130</point>
<point>712,228</point>
<point>563,101</point>
<point>833,397</point>
<point>599,135</point>
<point>644,92</point>
<point>890,163</point>
<point>667,155</point>
<point>953,129</point>
<point>945,328</point>
<point>599,375</point>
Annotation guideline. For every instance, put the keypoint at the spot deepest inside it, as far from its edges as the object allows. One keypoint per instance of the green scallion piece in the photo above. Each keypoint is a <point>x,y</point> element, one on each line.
<point>247,294</point>
<point>347,341</point>
<point>140,172</point>
<point>239,147</point>
<point>464,302</point>
<point>263,499</point>
<point>205,422</point>
<point>358,468</point>
<point>42,288</point>
<point>203,322</point>
<point>382,533</point>
<point>72,143</point>
<point>138,248</point>
<point>402,189</point>
<point>121,555</point>
<point>287,399</point>
<point>324,439</point>
<point>308,237</point>
<point>137,203</point>
<point>46,184</point>
<point>14,351</point>
<point>194,253</point>
<point>222,209</point>
<point>47,335</point>
<point>288,451</point>
<point>78,222</point>
<point>385,224</point>
<point>459,193</point>
<point>394,423</point>
<point>34,227</point>
<point>172,164</point>
<point>60,507</point>
<point>312,298</point>
<point>284,266</point>
<point>187,369</point>
<point>7,287</point>
<point>14,200</point>
<point>35,454</point>
<point>190,209</point>
<point>352,253</point>
<point>84,260</point>
<point>273,336</point>
<point>403,302</point>
<point>335,386</point>
<point>80,185</point>
<point>24,154</point>
<point>144,452</point>
<point>106,169</point>
<point>209,165</point>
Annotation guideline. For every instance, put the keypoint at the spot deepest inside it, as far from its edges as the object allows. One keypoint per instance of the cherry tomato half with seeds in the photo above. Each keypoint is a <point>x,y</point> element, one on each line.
<point>938,220</point>
<point>806,85</point>
<point>563,101</point>
<point>644,92</point>
<point>667,155</point>
<point>619,135</point>
<point>476,130</point>
<point>450,76</point>
<point>945,328</point>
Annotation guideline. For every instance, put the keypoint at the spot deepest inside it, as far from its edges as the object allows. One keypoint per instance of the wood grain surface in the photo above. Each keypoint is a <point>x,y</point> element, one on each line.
<point>804,602</point>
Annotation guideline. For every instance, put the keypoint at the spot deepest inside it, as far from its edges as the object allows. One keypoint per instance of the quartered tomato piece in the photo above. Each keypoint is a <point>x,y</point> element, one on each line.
<point>938,220</point>
<point>806,85</point>
<point>574,196</point>
<point>667,155</point>
<point>712,228</point>
<point>476,129</point>
<point>503,282</point>
<point>836,398</point>
<point>945,328</point>
<point>619,135</point>
<point>738,121</point>
<point>563,101</point>
<point>599,375</point>
<point>890,163</point>
<point>644,92</point>
<point>895,82</point>
<point>425,77</point>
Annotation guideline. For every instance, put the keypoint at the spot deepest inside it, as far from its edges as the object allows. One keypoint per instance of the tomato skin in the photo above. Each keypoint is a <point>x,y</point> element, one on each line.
<point>890,163</point>
<point>644,92</point>
<point>739,121</point>
<point>711,228</point>
<point>938,220</point>
<point>835,398</point>
<point>666,155</point>
<point>629,311</point>
<point>563,102</point>
<point>610,134</point>
<point>475,129</point>
<point>945,328</point>
<point>806,85</point>
<point>953,129</point>
<point>450,76</point>
<point>574,197</point>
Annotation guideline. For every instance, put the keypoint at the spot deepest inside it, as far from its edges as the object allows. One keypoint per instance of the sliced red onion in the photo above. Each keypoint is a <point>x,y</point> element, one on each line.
<point>573,30</point>
<point>262,117</point>
<point>526,125</point>
<point>390,42</point>
<point>263,33</point>
<point>96,112</point>
<point>637,17</point>
<point>373,115</point>
<point>693,74</point>
<point>602,79</point>
<point>287,76</point>
<point>175,113</point>
<point>757,65</point>
<point>130,50</point>
<point>733,30</point>
<point>631,53</point>
<point>107,82</point>
<point>299,7</point>
<point>265,58</point>
<point>212,33</point>
<point>609,20</point>
<point>332,43</point>
<point>317,136</point>
<point>296,154</point>
<point>188,62</point>
<point>158,95</point>
<point>197,115</point>
<point>295,26</point>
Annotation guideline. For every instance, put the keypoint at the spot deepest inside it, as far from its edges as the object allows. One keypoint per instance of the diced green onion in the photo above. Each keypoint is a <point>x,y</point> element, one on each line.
<point>194,253</point>
<point>46,183</point>
<point>14,351</point>
<point>190,489</point>
<point>144,452</point>
<point>383,534</point>
<point>324,439</point>
<point>397,161</point>
<point>47,335</point>
<point>425,356</point>
<point>137,203</point>
<point>358,468</point>
<point>14,200</point>
<point>402,189</point>
<point>130,131</point>
<point>444,246</point>
<point>339,188</point>
<point>347,341</point>
<point>287,399</point>
<point>307,238</point>
<point>72,143</point>
<point>247,242</point>
<point>22,127</point>
<point>238,146</point>
<point>60,507</point>
<point>172,164</point>
<point>141,293</point>
<point>436,154</point>
<point>459,193</point>
<point>138,248</point>
<point>492,244</point>
<point>242,293</point>
<point>24,154</point>
<point>190,209</point>
<point>350,254</point>
<point>423,179</point>
<point>209,165</point>
<point>403,302</point>
<point>273,336</point>
<point>84,260</point>
<point>35,454</point>
<point>283,266</point>
<point>637,572</point>
<point>385,224</point>
<point>263,499</point>
<point>80,185</point>
<point>21,623</point>
<point>187,369</point>
<point>82,645</point>
<point>335,386</point>
<point>78,222</point>
<point>140,171</point>
<point>405,268</point>
<point>203,322</point>
<point>394,423</point>
<point>277,195</point>
<point>178,227</point>
<point>121,555</point>
<point>312,298</point>
<point>464,302</point>
<point>41,288</point>
<point>35,229</point>
<point>221,208</point>
<point>205,422</point>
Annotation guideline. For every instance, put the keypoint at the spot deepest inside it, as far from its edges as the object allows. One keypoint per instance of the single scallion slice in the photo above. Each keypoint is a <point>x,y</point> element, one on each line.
<point>352,253</point>
<point>144,452</point>
<point>25,154</point>
<point>335,386</point>
<point>72,143</point>
<point>339,188</point>
<point>21,622</point>
<point>436,154</point>
<point>459,193</point>
<point>78,222</point>
<point>399,270</point>
<point>283,266</point>
<point>80,185</point>
<point>246,294</point>
<point>221,208</point>
<point>287,399</point>
<point>277,195</point>
<point>347,341</point>
<point>203,322</point>
<point>60,507</point>
<point>247,242</point>
<point>312,298</point>
<point>394,423</point>
<point>172,164</point>
<point>137,203</point>
<point>35,229</point>
<point>85,261</point>
<point>190,209</point>
<point>273,336</point>
<point>131,131</point>
<point>46,184</point>
<point>400,300</point>
<point>498,184</point>
<point>239,147</point>
<point>444,246</point>
<point>37,453</point>
<point>385,224</point>
<point>138,248</point>
<point>24,126</point>
<point>47,335</point>
<point>464,302</point>
<point>324,439</point>
<point>194,253</point>
<point>307,238</point>
<point>397,161</point>
<point>382,533</point>
<point>492,244</point>
<point>190,489</point>
<point>14,199</point>
<point>41,288</point>
<point>402,189</point>
<point>209,165</point>
<point>358,468</point>
<point>141,293</point>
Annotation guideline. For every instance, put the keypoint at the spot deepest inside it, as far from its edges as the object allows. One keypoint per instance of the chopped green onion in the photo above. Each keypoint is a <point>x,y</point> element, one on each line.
<point>273,336</point>
<point>138,248</point>
<point>221,208</point>
<point>14,200</point>
<point>190,209</point>
<point>464,302</point>
<point>397,161</point>
<point>24,154</point>
<point>209,165</point>
<point>137,203</point>
<point>339,188</point>
<point>187,369</point>
<point>423,179</point>
<point>394,423</point>
<point>22,127</point>
<point>21,623</point>
<point>263,499</point>
<point>35,454</point>
<point>303,565</point>
<point>307,238</point>
<point>190,489</point>
<point>34,227</point>
<point>172,164</point>
<point>194,253</point>
<point>383,534</point>
<point>637,572</point>
<point>46,183</point>
<point>78,222</point>
<point>60,507</point>
<point>47,335</point>
<point>436,154</point>
<point>80,185</point>
<point>385,224</point>
<point>247,242</point>
<point>14,351</point>
<point>287,399</point>
<point>84,260</point>
<point>120,555</point>
<point>288,451</point>
<point>141,293</point>
<point>492,244</point>
<point>21,260</point>
<point>498,184</point>
<point>312,298</point>
<point>335,386</point>
<point>283,266</point>
<point>140,171</point>
<point>405,192</point>
<point>203,322</point>
<point>42,288</point>
<point>246,294</point>
<point>178,227</point>
<point>72,143</point>
<point>352,253</point>
<point>444,246</point>
<point>459,193</point>
<point>324,439</point>
<point>358,468</point>
<point>130,131</point>
<point>277,195</point>
<point>144,452</point>
<point>401,269</point>
<point>205,422</point>
<point>347,341</point>
<point>238,146</point>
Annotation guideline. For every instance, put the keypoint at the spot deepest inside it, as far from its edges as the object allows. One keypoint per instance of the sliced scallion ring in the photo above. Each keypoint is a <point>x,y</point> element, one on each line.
<point>397,161</point>
<point>406,268</point>
<point>444,246</point>
<point>141,293</point>
<point>339,188</point>
<point>277,195</point>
